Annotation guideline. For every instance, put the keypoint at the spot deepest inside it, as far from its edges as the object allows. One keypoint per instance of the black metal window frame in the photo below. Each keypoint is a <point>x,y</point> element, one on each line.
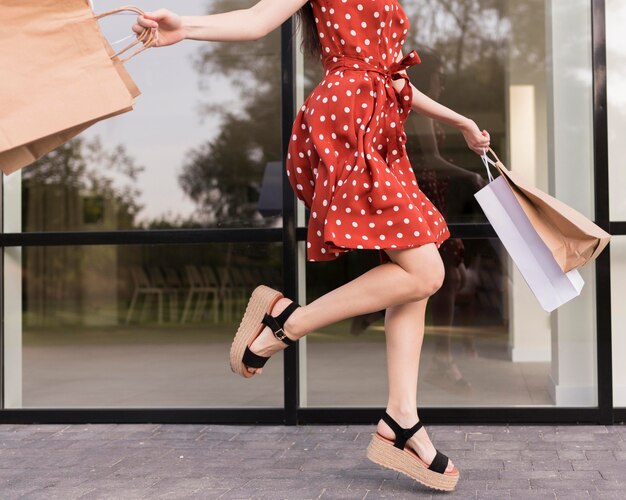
<point>291,413</point>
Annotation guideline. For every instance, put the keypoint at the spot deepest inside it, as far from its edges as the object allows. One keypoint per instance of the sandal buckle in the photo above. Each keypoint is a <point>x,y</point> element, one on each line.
<point>280,337</point>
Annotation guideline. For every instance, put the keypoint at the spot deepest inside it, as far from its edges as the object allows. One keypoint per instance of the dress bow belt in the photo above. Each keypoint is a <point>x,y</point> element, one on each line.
<point>394,115</point>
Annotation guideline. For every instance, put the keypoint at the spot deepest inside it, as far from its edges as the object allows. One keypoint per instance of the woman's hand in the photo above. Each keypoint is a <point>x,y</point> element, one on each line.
<point>167,27</point>
<point>477,140</point>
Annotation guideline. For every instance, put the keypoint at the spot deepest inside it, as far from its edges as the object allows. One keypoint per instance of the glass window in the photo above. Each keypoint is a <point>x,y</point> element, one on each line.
<point>618,317</point>
<point>200,149</point>
<point>487,341</point>
<point>521,70</point>
<point>616,83</point>
<point>133,326</point>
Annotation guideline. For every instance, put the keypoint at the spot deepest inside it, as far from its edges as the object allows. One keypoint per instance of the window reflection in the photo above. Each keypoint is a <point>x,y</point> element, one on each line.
<point>192,154</point>
<point>137,326</point>
<point>521,71</point>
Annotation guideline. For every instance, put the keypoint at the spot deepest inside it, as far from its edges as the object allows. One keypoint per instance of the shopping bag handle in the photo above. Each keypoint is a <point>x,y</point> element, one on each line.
<point>486,161</point>
<point>146,36</point>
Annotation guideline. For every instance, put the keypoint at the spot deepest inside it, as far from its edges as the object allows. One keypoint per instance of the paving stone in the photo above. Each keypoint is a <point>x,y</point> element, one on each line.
<point>561,484</point>
<point>116,492</point>
<point>517,465</point>
<point>493,495</point>
<point>580,474</point>
<point>471,484</point>
<point>57,493</point>
<point>349,494</point>
<point>371,495</point>
<point>544,445</point>
<point>601,465</point>
<point>590,445</point>
<point>478,436</point>
<point>185,494</point>
<point>572,495</point>
<point>528,474</point>
<point>568,436</point>
<point>610,484</point>
<point>557,465</point>
<point>599,455</point>
<point>606,495</point>
<point>542,455</point>
<point>509,484</point>
<point>14,492</point>
<point>481,474</point>
<point>493,454</point>
<point>533,495</point>
<point>500,445</point>
<point>463,463</point>
<point>571,455</point>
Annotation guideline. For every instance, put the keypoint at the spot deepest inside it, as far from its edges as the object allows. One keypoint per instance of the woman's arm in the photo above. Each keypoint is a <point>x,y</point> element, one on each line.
<point>424,128</point>
<point>244,24</point>
<point>237,25</point>
<point>476,139</point>
<point>431,108</point>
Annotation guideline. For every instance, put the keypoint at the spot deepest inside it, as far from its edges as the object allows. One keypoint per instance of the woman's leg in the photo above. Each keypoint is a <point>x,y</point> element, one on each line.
<point>404,331</point>
<point>414,274</point>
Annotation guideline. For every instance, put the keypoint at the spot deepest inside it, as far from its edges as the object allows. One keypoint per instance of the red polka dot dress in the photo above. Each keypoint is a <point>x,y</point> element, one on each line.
<point>346,158</point>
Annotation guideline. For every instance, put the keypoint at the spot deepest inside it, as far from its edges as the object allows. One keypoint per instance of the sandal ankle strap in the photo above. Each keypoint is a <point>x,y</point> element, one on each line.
<point>402,434</point>
<point>277,323</point>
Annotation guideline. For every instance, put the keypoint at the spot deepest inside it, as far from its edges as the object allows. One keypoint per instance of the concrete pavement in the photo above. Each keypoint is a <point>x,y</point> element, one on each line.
<point>151,461</point>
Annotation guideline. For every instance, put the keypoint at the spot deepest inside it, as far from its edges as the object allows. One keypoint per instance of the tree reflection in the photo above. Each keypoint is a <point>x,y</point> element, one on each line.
<point>81,184</point>
<point>223,176</point>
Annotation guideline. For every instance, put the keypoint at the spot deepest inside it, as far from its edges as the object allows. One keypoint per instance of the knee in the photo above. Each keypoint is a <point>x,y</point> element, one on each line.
<point>434,278</point>
<point>428,281</point>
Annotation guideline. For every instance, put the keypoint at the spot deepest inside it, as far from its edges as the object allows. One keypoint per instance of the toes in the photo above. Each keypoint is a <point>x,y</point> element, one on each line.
<point>253,371</point>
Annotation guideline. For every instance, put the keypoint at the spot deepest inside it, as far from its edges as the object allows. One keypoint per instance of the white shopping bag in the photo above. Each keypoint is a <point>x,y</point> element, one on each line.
<point>533,258</point>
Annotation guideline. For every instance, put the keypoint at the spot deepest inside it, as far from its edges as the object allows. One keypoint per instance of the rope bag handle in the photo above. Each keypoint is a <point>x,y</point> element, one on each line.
<point>146,37</point>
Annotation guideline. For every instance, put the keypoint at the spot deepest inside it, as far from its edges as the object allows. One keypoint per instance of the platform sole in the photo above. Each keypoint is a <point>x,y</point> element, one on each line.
<point>261,301</point>
<point>387,455</point>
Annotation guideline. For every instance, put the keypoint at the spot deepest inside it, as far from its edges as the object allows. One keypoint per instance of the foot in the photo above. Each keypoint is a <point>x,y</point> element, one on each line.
<point>265,344</point>
<point>420,442</point>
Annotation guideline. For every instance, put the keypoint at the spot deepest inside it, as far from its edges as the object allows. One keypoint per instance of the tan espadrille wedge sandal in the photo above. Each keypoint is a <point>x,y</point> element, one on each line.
<point>256,317</point>
<point>394,455</point>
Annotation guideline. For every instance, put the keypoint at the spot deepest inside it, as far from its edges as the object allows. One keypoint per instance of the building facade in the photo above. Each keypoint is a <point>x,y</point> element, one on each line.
<point>129,253</point>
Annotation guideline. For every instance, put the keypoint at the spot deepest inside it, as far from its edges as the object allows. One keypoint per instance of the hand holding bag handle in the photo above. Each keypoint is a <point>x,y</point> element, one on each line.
<point>146,36</point>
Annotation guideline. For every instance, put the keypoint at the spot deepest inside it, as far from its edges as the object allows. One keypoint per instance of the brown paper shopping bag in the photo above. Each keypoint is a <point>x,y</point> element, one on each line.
<point>62,76</point>
<point>571,237</point>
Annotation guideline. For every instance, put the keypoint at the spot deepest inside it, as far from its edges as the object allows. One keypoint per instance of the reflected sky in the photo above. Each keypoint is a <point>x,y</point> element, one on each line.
<point>166,121</point>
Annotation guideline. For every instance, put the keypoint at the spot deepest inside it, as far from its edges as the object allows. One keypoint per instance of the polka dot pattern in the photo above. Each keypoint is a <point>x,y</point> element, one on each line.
<point>346,158</point>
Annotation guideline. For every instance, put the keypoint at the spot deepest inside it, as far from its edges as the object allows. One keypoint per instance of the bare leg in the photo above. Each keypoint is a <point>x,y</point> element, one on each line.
<point>415,274</point>
<point>404,331</point>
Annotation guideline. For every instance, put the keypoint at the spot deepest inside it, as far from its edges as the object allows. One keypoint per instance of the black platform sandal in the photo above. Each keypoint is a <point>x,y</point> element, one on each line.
<point>394,455</point>
<point>255,319</point>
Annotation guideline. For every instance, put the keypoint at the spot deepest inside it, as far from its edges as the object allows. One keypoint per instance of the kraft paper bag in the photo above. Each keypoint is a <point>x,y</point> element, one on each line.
<point>572,238</point>
<point>62,76</point>
<point>549,283</point>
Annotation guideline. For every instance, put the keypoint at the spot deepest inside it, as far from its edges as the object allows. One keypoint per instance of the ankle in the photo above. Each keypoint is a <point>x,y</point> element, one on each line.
<point>293,325</point>
<point>405,415</point>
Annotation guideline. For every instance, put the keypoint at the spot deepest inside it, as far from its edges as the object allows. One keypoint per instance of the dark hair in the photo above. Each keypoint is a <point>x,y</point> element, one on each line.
<point>310,39</point>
